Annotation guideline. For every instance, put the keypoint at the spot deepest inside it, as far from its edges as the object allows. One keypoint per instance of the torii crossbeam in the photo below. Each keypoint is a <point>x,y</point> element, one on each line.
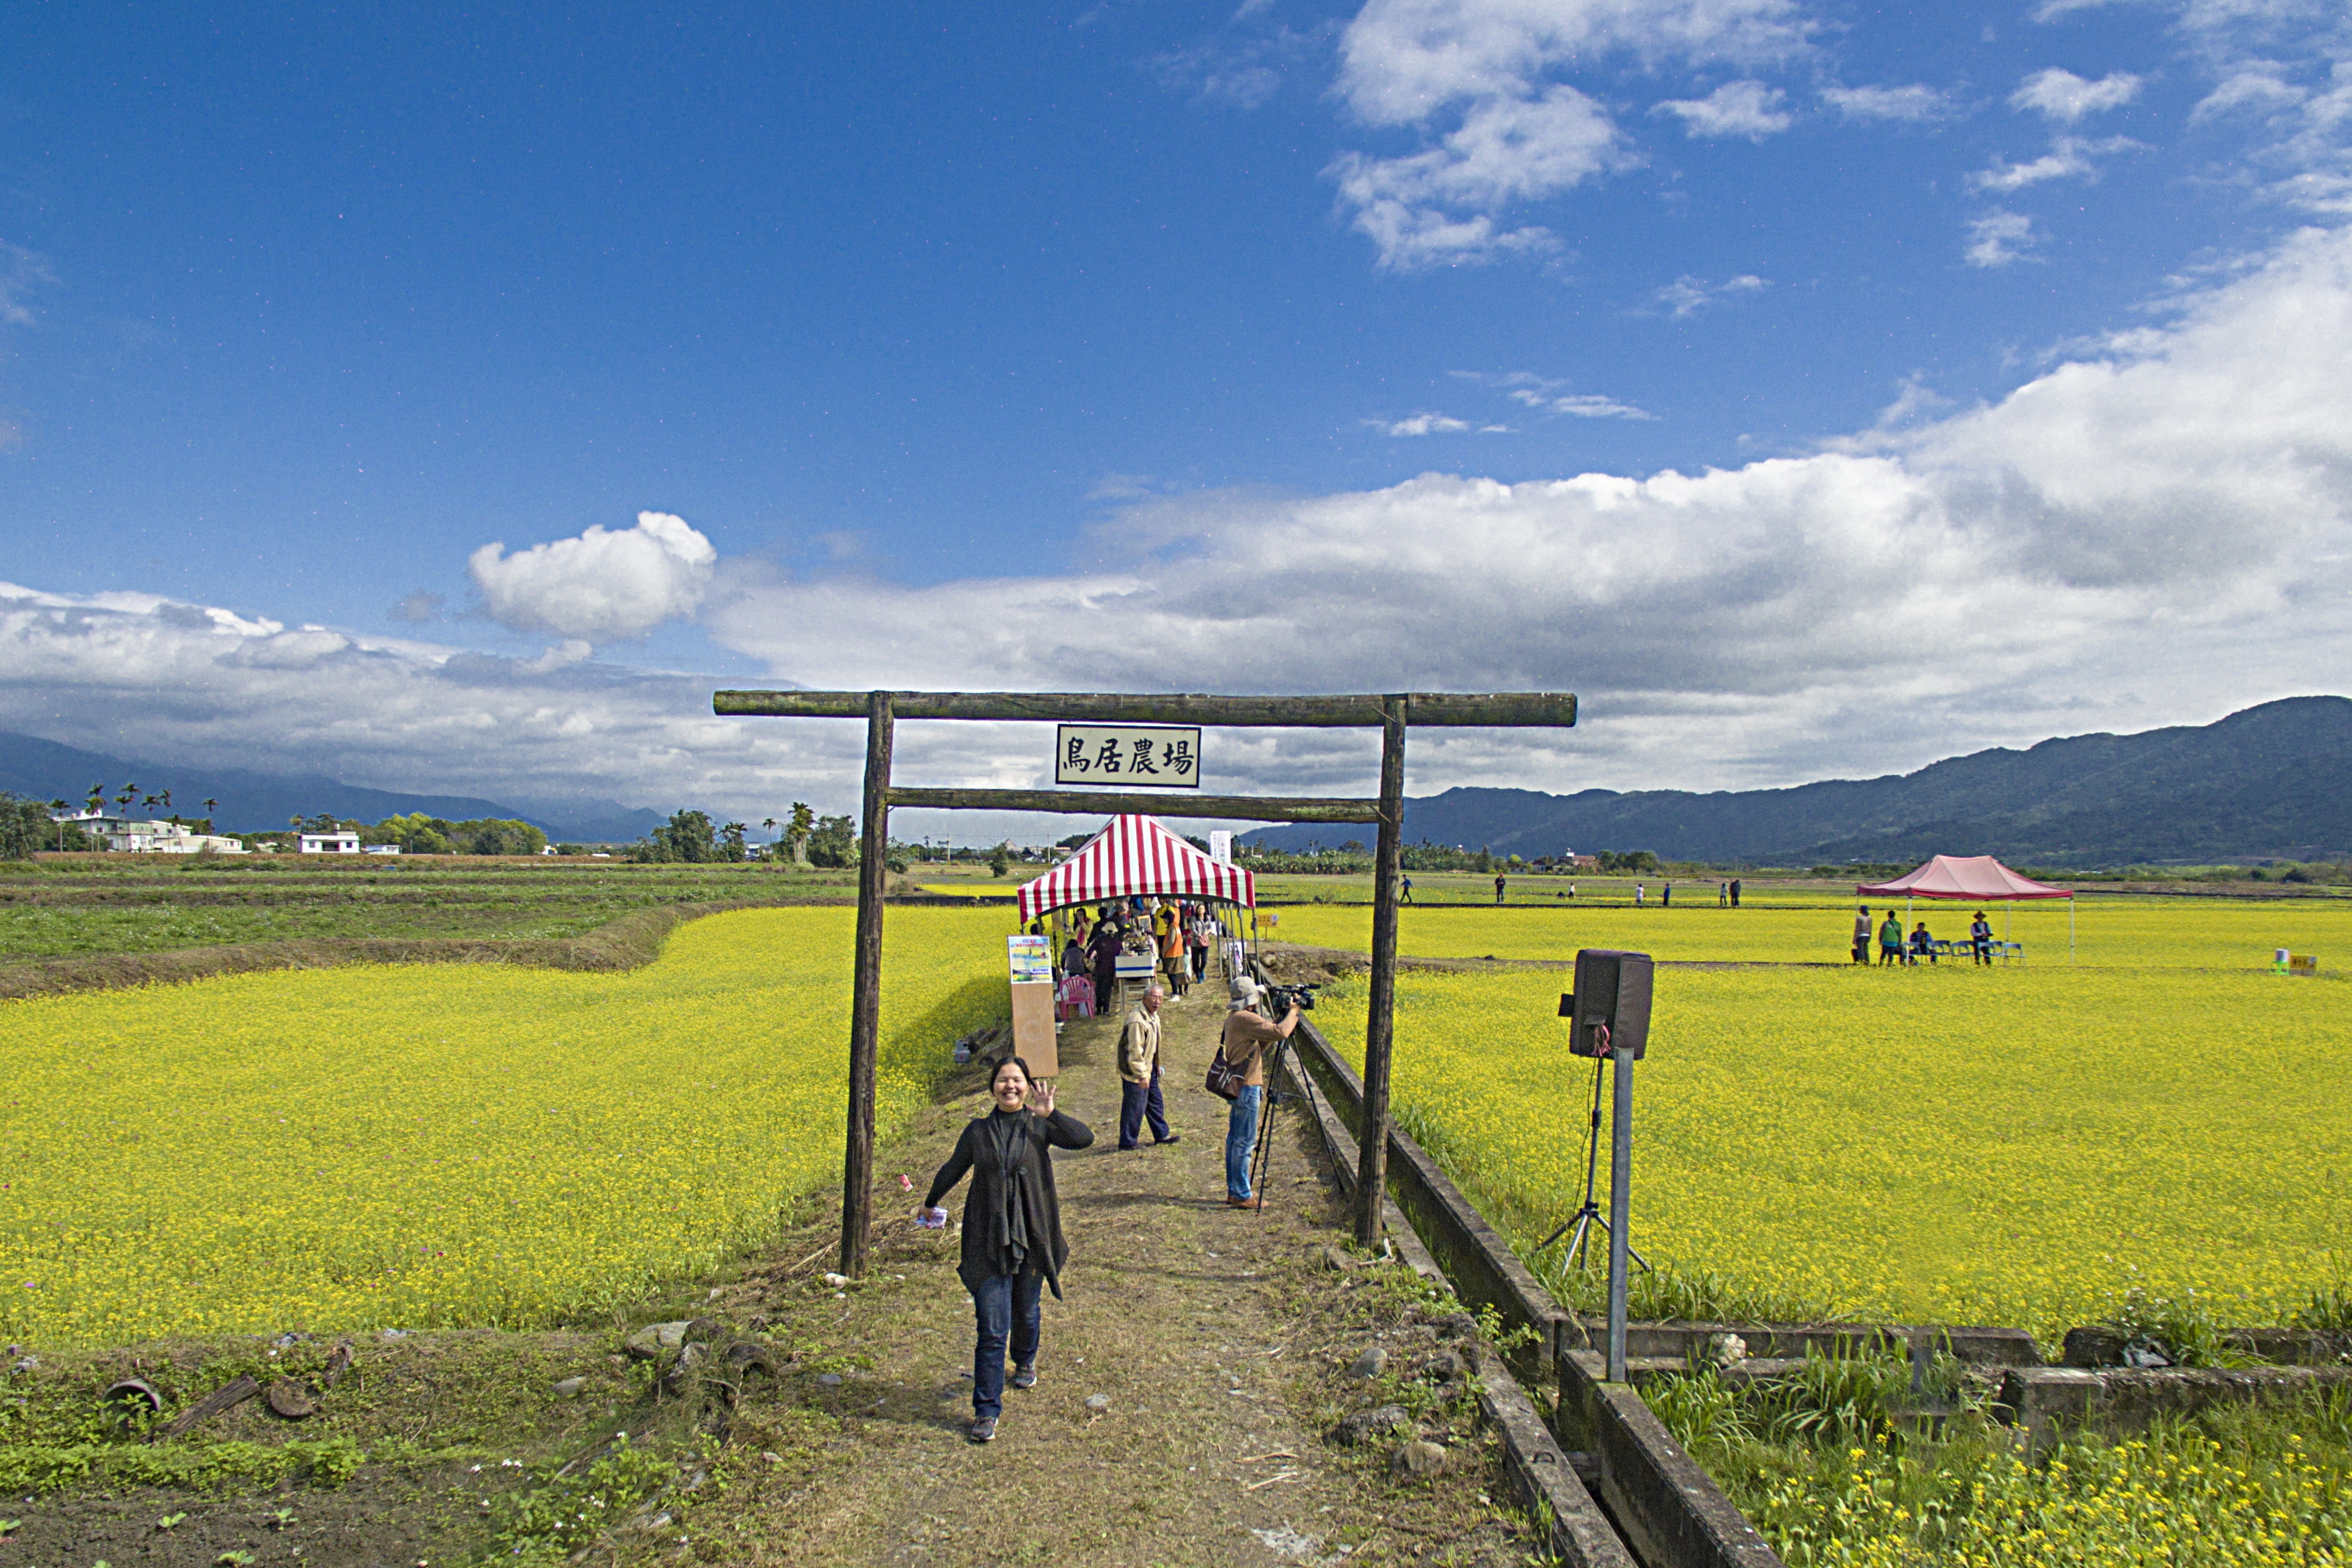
<point>1391,713</point>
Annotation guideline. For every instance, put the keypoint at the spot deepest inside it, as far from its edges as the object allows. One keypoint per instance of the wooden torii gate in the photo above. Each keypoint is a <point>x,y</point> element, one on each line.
<point>1391,713</point>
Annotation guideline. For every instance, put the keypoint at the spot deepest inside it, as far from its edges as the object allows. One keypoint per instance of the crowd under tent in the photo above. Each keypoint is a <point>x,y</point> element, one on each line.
<point>1971,879</point>
<point>1136,856</point>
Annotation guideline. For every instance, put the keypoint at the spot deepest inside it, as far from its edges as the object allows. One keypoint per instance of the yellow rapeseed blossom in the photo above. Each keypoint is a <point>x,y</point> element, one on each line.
<point>2177,1500</point>
<point>443,1146</point>
<point>1953,1144</point>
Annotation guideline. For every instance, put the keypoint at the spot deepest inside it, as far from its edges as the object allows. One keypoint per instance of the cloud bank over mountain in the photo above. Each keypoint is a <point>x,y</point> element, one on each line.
<point>2155,528</point>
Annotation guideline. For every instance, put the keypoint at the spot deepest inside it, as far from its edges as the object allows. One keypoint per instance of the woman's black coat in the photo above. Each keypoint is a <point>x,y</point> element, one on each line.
<point>976,1152</point>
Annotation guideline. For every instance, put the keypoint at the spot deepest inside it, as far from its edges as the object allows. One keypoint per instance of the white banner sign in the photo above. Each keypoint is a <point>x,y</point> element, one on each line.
<point>1148,756</point>
<point>1220,844</point>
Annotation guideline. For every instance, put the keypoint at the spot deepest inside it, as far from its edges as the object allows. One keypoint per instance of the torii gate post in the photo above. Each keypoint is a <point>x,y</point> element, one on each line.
<point>882,710</point>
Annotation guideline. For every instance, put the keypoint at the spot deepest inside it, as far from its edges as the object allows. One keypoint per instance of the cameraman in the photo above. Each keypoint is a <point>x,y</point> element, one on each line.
<point>1246,1036</point>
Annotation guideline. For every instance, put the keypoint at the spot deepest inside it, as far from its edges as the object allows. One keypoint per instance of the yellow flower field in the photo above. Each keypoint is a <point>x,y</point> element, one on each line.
<point>2138,931</point>
<point>445,1145</point>
<point>1952,1144</point>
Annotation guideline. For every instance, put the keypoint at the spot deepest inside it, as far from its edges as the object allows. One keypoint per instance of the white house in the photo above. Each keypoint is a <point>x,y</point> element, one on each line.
<point>336,843</point>
<point>128,836</point>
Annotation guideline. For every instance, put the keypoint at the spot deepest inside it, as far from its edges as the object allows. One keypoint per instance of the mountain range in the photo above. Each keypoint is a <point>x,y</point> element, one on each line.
<point>2273,782</point>
<point>259,802</point>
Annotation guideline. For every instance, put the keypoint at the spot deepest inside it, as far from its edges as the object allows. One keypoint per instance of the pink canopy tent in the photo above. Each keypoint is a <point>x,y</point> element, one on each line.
<point>1975,879</point>
<point>1135,855</point>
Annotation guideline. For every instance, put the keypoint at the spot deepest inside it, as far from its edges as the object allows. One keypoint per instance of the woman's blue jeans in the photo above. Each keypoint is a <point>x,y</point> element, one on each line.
<point>1241,1141</point>
<point>1007,1306</point>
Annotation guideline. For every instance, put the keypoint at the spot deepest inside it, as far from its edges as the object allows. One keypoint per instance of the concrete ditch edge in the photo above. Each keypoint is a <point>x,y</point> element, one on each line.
<point>1579,1533</point>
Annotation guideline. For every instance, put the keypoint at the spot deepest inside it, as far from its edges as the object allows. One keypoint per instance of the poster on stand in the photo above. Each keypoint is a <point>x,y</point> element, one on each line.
<point>1031,958</point>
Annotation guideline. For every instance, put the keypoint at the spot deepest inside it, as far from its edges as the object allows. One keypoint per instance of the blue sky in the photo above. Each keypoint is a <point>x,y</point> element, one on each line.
<point>1111,344</point>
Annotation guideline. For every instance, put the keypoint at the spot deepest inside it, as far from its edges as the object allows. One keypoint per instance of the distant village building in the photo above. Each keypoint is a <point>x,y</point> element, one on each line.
<point>382,849</point>
<point>126,835</point>
<point>335,843</point>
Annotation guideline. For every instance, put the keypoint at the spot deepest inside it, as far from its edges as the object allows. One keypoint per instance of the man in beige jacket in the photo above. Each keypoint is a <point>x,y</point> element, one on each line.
<point>1139,1073</point>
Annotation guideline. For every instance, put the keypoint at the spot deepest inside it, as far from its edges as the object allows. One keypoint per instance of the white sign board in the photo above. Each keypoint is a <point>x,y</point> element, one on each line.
<point>1220,844</point>
<point>1157,757</point>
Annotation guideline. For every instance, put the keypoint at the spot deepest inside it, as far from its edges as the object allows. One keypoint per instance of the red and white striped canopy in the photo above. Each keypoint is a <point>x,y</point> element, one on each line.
<point>1132,855</point>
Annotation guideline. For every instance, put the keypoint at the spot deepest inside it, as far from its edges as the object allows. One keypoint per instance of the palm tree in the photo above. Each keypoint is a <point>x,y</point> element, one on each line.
<point>209,804</point>
<point>97,802</point>
<point>166,799</point>
<point>130,793</point>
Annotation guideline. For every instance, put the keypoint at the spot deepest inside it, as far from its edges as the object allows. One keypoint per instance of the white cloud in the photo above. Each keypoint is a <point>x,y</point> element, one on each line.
<point>2063,97</point>
<point>1420,424</point>
<point>1402,61</point>
<point>1687,295</point>
<point>1999,237</point>
<point>1915,103</point>
<point>2069,158</point>
<point>1591,405</point>
<point>2171,515</point>
<point>1547,394</point>
<point>1747,109</point>
<point>1487,67</point>
<point>2260,86</point>
<point>1506,149</point>
<point>602,586</point>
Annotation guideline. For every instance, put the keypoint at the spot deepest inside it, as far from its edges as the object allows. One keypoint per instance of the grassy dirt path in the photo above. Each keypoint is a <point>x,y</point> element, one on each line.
<point>1186,1383</point>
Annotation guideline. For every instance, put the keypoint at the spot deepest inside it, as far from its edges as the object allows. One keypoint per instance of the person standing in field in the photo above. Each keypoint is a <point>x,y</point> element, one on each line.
<point>1246,1036</point>
<point>1013,1245</point>
<point>1980,937</point>
<point>1499,889</point>
<point>1639,889</point>
<point>1139,1074</point>
<point>1666,898</point>
<point>1890,940</point>
<point>1735,892</point>
<point>1406,896</point>
<point>1861,934</point>
<point>1722,896</point>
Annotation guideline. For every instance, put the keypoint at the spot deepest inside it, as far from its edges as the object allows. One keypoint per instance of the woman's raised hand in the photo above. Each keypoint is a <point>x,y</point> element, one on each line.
<point>1041,1097</point>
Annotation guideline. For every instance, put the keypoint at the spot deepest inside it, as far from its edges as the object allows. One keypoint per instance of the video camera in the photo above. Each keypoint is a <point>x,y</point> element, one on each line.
<point>1280,999</point>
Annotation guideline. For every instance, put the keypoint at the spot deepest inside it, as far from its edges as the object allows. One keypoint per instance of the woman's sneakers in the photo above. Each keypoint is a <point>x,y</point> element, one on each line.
<point>983,1429</point>
<point>1025,1376</point>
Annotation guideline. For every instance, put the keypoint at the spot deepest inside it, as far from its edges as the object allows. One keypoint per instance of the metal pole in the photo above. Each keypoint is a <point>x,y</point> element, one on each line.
<point>866,993</point>
<point>1621,1202</point>
<point>1380,1024</point>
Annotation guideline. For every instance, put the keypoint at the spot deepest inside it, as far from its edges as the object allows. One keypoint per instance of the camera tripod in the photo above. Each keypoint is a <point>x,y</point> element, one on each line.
<point>1262,1154</point>
<point>1585,1220</point>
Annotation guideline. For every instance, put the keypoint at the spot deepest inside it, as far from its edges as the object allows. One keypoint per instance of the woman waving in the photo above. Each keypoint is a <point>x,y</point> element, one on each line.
<point>1013,1245</point>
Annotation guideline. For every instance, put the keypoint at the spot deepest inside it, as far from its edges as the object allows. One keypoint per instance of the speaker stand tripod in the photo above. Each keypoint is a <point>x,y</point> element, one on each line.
<point>1580,1225</point>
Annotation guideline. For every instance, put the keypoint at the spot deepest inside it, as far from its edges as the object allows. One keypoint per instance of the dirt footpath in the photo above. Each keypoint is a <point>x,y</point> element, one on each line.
<point>1187,1384</point>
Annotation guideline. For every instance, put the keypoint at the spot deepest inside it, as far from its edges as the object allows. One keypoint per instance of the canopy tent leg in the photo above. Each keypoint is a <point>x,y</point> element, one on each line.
<point>865,994</point>
<point>2069,928</point>
<point>1379,1031</point>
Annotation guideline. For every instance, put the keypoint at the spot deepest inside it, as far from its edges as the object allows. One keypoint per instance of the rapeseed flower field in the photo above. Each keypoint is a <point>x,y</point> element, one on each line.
<point>446,1145</point>
<point>1953,1144</point>
<point>2127,932</point>
<point>2180,1498</point>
